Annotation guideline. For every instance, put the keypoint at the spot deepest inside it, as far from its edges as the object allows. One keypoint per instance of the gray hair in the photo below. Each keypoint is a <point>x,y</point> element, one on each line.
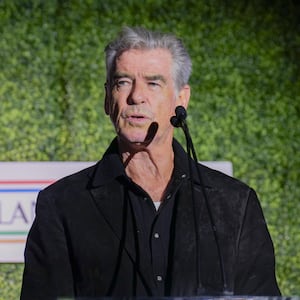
<point>140,38</point>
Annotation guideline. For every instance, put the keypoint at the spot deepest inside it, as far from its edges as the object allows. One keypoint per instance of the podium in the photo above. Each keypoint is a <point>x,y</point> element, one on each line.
<point>191,298</point>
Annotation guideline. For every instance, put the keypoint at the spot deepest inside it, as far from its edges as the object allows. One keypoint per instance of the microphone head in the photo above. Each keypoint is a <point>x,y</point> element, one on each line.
<point>175,122</point>
<point>180,116</point>
<point>180,112</point>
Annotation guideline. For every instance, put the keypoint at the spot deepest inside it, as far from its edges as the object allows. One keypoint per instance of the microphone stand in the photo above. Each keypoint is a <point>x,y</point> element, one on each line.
<point>179,121</point>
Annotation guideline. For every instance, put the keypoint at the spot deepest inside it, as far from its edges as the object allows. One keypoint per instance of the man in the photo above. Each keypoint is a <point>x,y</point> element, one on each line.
<point>137,223</point>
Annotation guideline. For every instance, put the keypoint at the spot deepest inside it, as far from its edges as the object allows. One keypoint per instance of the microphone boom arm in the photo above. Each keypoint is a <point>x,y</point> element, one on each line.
<point>179,121</point>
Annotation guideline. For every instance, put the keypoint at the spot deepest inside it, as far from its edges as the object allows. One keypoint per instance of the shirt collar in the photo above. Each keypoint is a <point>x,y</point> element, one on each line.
<point>111,167</point>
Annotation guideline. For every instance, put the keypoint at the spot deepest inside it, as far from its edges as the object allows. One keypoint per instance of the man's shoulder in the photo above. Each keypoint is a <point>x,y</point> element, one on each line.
<point>218,180</point>
<point>211,178</point>
<point>75,181</point>
<point>226,192</point>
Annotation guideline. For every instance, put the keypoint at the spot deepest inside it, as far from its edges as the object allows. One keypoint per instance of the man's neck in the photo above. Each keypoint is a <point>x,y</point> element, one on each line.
<point>150,167</point>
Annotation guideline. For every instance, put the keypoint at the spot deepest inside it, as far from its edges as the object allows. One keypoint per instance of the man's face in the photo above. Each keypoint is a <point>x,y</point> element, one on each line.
<point>143,97</point>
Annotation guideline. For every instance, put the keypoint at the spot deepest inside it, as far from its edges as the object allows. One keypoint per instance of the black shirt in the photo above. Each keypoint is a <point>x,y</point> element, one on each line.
<point>153,227</point>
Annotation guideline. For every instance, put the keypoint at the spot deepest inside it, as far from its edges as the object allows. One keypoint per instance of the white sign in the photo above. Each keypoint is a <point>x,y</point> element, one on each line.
<point>20,183</point>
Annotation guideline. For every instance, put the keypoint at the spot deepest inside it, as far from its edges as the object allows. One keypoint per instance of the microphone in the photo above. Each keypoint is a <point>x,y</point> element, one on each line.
<point>179,121</point>
<point>180,116</point>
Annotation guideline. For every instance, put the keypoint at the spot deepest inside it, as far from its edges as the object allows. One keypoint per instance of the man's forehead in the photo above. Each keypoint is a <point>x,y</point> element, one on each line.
<point>150,61</point>
<point>147,53</point>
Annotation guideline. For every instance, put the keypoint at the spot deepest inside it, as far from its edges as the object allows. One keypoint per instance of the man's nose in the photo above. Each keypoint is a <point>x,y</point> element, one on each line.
<point>138,93</point>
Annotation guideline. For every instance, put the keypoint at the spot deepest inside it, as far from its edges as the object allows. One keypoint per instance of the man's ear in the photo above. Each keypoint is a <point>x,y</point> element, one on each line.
<point>184,96</point>
<point>107,99</point>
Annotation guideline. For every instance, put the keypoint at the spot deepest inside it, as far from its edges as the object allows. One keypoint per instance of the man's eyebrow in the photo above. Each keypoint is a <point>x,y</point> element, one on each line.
<point>156,77</point>
<point>118,75</point>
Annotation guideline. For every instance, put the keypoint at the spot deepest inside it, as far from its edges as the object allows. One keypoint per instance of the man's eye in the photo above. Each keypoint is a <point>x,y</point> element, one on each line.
<point>122,83</point>
<point>153,83</point>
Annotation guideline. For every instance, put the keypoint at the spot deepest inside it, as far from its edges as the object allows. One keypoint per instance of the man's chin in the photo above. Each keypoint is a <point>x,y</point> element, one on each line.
<point>134,142</point>
<point>140,139</point>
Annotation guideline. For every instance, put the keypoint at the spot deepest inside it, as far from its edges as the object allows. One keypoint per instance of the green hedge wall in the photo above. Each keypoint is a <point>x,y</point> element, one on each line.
<point>245,102</point>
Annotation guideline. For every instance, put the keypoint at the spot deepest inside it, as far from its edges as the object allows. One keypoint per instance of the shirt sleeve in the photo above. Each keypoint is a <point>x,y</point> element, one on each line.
<point>47,273</point>
<point>255,273</point>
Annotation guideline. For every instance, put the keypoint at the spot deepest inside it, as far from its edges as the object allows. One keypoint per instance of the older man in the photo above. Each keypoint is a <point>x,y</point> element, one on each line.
<point>137,223</point>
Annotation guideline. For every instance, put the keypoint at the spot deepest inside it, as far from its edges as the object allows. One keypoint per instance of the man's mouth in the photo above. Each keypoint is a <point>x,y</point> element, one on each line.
<point>137,118</point>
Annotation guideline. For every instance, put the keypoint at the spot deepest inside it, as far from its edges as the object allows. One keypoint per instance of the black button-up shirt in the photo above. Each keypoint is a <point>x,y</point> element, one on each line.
<point>154,226</point>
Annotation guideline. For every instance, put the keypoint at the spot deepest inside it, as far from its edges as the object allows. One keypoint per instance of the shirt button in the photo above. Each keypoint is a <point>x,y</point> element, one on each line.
<point>169,196</point>
<point>156,235</point>
<point>183,175</point>
<point>159,278</point>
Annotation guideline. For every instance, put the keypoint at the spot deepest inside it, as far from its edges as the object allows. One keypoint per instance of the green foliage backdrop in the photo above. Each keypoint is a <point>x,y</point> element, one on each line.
<point>245,102</point>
